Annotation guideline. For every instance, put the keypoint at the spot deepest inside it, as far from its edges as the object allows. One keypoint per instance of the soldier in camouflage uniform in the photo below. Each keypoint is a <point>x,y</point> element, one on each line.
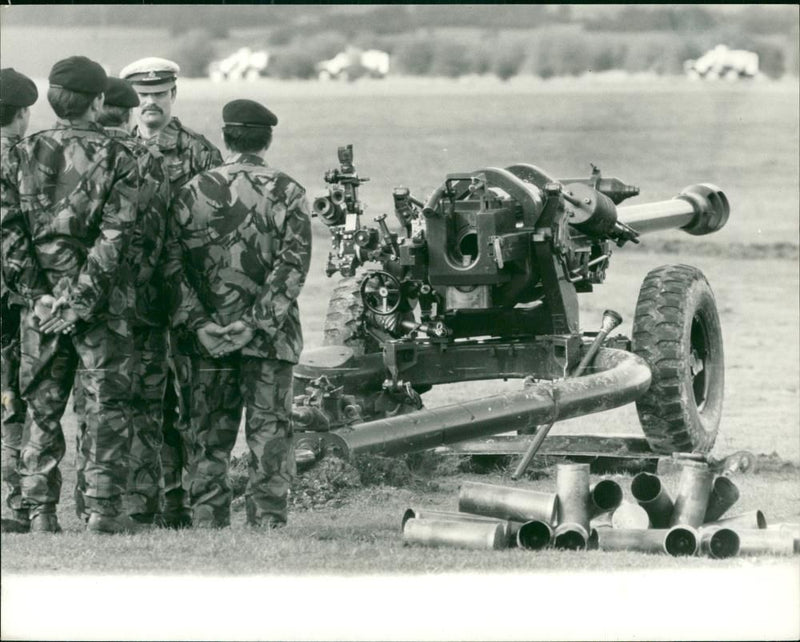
<point>185,154</point>
<point>238,251</point>
<point>65,229</point>
<point>17,94</point>
<point>149,326</point>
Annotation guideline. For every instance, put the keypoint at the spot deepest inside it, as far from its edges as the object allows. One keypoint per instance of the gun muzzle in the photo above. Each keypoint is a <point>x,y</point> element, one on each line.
<point>651,495</point>
<point>677,541</point>
<point>459,534</point>
<point>517,504</point>
<point>724,494</point>
<point>698,209</point>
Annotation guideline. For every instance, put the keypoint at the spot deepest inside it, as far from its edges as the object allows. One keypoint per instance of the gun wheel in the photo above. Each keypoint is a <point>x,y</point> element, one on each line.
<point>344,326</point>
<point>344,320</point>
<point>676,330</point>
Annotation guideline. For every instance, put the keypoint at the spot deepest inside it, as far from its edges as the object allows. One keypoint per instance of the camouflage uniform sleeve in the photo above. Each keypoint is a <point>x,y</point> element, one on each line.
<point>282,287</point>
<point>22,273</point>
<point>147,242</point>
<point>208,157</point>
<point>185,307</point>
<point>103,262</point>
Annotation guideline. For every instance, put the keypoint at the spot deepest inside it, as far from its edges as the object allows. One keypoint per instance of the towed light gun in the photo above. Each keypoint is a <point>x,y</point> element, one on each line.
<point>482,282</point>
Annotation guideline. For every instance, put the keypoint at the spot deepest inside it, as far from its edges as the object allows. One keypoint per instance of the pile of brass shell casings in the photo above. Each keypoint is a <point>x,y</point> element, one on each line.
<point>574,500</point>
<point>581,515</point>
<point>517,504</point>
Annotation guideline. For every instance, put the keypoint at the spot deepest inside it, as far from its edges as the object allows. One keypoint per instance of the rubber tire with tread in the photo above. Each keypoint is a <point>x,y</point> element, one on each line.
<point>344,326</point>
<point>675,314</point>
<point>345,316</point>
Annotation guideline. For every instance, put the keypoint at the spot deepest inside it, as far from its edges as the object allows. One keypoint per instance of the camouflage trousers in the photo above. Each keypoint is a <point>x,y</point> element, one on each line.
<point>173,450</point>
<point>149,377</point>
<point>13,409</point>
<point>220,390</point>
<point>98,357</point>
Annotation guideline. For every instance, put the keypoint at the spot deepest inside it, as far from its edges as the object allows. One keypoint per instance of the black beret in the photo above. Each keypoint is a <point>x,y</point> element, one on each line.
<point>120,93</point>
<point>16,89</point>
<point>248,113</point>
<point>78,73</point>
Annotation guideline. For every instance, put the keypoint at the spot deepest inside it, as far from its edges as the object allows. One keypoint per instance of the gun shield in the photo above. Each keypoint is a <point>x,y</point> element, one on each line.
<point>724,494</point>
<point>605,495</point>
<point>458,534</point>
<point>651,495</point>
<point>572,488</point>
<point>517,504</point>
<point>694,490</point>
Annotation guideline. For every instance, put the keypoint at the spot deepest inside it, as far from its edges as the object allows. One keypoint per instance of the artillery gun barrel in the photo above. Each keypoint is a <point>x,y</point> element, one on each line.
<point>698,209</point>
<point>619,378</point>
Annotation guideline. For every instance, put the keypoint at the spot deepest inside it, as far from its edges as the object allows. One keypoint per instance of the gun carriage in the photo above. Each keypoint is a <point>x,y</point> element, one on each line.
<point>482,282</point>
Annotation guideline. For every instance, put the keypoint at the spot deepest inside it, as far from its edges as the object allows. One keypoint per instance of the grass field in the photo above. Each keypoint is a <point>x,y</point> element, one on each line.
<point>661,135</point>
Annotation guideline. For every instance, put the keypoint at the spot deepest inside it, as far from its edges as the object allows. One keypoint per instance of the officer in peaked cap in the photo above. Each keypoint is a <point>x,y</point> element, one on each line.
<point>185,154</point>
<point>153,79</point>
<point>149,323</point>
<point>151,75</point>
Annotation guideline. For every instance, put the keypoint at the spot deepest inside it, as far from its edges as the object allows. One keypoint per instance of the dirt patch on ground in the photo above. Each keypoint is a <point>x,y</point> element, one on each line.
<point>332,481</point>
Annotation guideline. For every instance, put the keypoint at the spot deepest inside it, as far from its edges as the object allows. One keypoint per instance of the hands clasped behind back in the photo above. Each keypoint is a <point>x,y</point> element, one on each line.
<point>55,315</point>
<point>222,340</point>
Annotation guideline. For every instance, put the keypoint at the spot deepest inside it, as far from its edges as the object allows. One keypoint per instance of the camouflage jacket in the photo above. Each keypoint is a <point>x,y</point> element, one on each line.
<point>67,219</point>
<point>239,248</point>
<point>147,240</point>
<point>6,192</point>
<point>186,153</point>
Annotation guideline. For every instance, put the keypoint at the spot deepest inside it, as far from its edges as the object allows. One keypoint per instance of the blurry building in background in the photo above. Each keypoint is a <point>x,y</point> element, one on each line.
<point>354,63</point>
<point>722,63</point>
<point>244,64</point>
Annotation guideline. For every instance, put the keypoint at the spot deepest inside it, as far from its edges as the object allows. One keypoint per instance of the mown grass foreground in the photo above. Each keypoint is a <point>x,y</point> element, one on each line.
<point>344,573</point>
<point>360,535</point>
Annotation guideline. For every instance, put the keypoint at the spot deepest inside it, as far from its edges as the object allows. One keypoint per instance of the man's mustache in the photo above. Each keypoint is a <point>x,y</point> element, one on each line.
<point>157,110</point>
